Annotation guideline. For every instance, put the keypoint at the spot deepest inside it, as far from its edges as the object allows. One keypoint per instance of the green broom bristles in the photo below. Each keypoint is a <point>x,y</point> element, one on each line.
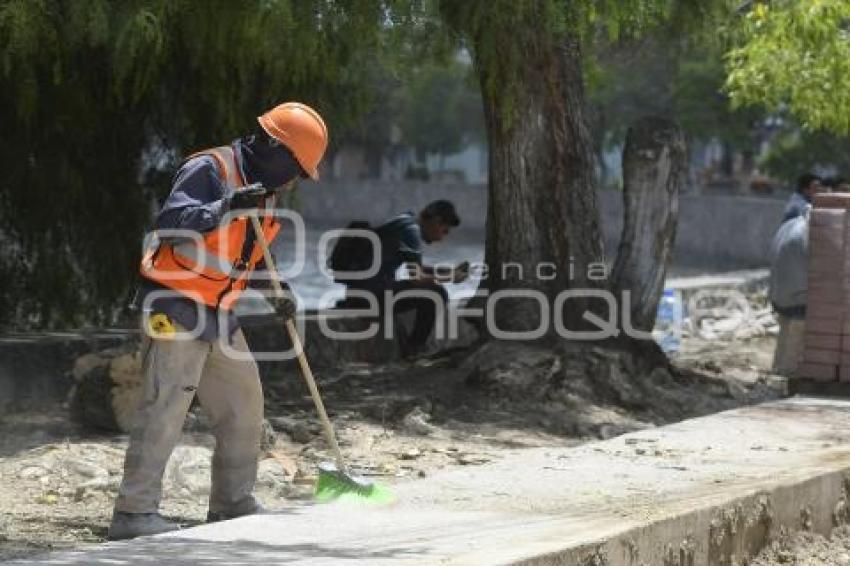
<point>333,485</point>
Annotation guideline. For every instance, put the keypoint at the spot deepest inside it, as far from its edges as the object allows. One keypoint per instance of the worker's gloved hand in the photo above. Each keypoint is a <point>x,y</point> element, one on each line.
<point>248,197</point>
<point>284,307</point>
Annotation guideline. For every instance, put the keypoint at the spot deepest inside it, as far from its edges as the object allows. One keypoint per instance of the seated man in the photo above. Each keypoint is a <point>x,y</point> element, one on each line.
<point>401,244</point>
<point>789,279</point>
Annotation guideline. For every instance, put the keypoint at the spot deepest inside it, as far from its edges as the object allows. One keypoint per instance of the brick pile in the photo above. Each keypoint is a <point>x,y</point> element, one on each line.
<point>826,353</point>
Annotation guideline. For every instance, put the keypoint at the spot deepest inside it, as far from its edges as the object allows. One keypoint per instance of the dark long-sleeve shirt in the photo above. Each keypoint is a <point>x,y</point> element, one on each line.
<point>401,242</point>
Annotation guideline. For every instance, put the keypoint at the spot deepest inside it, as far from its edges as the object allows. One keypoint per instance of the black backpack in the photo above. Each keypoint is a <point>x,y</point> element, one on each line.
<point>352,253</point>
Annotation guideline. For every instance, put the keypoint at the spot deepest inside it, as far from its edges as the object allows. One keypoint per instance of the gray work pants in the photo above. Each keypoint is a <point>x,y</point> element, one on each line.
<point>789,345</point>
<point>230,393</point>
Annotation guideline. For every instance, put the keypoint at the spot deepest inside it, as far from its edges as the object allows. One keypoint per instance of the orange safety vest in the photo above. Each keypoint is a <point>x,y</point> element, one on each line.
<point>215,271</point>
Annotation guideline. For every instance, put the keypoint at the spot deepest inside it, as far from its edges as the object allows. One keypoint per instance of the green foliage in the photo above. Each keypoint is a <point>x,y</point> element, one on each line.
<point>794,54</point>
<point>443,114</point>
<point>795,151</point>
<point>90,87</point>
<point>684,76</point>
<point>675,73</point>
<point>704,110</point>
<point>375,130</point>
<point>100,94</point>
<point>491,28</point>
<point>488,29</point>
<point>629,80</point>
<point>433,107</point>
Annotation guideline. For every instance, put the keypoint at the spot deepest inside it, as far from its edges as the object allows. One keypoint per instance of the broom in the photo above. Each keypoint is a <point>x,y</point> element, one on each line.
<point>335,481</point>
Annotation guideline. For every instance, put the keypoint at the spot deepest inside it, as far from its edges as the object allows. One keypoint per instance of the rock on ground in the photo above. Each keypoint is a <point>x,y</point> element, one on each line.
<point>108,387</point>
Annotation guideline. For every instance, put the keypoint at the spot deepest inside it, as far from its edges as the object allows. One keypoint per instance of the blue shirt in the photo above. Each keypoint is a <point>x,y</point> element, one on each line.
<point>401,242</point>
<point>789,266</point>
<point>795,206</point>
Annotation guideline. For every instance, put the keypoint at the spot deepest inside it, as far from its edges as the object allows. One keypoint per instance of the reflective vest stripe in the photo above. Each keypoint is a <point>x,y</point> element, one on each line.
<point>228,166</point>
<point>200,259</point>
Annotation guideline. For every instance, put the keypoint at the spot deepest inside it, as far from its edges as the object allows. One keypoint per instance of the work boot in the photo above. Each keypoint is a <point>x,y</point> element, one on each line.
<point>253,509</point>
<point>132,525</point>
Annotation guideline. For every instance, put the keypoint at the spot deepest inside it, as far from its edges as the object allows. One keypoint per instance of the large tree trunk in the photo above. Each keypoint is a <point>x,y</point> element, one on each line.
<point>654,169</point>
<point>542,218</point>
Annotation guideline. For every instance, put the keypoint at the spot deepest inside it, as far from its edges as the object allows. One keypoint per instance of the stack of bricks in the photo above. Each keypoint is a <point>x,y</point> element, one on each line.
<point>826,353</point>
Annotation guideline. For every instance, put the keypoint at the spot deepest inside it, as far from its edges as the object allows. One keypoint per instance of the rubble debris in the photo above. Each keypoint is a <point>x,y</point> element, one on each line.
<point>298,430</point>
<point>416,422</point>
<point>410,454</point>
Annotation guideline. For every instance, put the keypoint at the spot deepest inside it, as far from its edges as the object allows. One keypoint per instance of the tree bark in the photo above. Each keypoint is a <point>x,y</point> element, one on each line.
<point>542,214</point>
<point>654,169</point>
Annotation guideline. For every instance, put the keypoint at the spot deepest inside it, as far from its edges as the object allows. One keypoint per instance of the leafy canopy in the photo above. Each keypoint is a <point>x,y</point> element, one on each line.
<point>794,55</point>
<point>100,93</point>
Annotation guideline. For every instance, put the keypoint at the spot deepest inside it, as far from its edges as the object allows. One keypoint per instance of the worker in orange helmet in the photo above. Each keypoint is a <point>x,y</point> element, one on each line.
<point>189,286</point>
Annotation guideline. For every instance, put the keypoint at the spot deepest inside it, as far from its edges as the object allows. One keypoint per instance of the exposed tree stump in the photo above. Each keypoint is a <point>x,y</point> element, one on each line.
<point>654,168</point>
<point>596,390</point>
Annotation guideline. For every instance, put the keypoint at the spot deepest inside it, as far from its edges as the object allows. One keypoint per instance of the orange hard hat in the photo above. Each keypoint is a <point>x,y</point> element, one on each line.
<point>301,129</point>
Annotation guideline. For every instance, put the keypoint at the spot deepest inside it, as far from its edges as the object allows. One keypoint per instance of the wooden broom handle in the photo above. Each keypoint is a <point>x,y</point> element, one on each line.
<point>330,437</point>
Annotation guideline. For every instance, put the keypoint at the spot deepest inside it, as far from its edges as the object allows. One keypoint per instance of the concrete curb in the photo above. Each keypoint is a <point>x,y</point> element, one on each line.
<point>710,491</point>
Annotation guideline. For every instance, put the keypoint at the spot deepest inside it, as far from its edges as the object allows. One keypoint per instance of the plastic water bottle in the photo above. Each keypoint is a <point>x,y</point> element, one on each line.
<point>668,322</point>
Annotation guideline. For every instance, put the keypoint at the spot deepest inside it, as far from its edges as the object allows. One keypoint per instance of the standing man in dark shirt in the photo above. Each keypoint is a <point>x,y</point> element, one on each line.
<point>190,284</point>
<point>402,239</point>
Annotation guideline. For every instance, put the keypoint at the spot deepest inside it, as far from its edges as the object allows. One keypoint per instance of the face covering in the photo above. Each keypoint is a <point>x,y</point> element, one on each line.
<point>273,166</point>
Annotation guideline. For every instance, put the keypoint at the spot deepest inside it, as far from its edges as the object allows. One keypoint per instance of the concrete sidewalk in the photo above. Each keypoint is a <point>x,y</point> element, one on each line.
<point>704,491</point>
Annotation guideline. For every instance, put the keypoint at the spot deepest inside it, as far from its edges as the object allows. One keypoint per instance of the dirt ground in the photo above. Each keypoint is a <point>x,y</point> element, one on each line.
<point>807,549</point>
<point>395,422</point>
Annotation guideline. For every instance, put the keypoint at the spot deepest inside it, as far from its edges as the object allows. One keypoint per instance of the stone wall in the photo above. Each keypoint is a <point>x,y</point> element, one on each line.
<point>35,369</point>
